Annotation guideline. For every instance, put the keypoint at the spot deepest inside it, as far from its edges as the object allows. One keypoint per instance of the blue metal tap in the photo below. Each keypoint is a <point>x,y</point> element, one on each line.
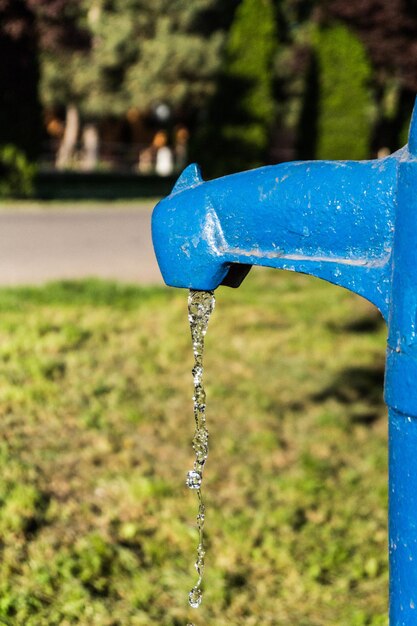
<point>352,223</point>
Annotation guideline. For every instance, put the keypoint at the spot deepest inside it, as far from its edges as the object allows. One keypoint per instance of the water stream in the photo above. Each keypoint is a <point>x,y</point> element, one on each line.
<point>200,308</point>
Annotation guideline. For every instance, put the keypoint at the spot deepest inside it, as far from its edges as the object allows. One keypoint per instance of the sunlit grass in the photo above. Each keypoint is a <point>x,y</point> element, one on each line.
<point>97,526</point>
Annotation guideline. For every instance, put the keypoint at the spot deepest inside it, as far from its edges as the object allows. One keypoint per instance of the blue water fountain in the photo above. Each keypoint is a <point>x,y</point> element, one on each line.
<point>352,223</point>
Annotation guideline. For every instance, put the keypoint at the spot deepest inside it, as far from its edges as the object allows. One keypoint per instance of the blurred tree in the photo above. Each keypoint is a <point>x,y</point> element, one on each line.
<point>243,109</point>
<point>389,32</point>
<point>139,54</point>
<point>345,102</point>
<point>57,24</point>
<point>175,64</point>
<point>65,45</point>
<point>20,111</point>
<point>295,81</point>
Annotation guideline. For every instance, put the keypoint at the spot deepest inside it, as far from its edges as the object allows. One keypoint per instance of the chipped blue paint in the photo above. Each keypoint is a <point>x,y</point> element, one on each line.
<point>352,223</point>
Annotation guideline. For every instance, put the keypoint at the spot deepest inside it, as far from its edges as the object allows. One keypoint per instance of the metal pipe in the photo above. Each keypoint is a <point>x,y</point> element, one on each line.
<point>351,223</point>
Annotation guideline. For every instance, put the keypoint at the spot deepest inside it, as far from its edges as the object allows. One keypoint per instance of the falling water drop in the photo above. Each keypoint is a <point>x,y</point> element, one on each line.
<point>200,307</point>
<point>195,597</point>
<point>193,480</point>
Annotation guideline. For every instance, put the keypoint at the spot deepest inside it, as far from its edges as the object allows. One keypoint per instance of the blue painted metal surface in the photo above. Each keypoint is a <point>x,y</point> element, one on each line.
<point>352,223</point>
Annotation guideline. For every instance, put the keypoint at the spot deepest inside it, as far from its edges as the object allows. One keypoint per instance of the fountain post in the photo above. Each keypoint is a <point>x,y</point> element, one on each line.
<point>352,223</point>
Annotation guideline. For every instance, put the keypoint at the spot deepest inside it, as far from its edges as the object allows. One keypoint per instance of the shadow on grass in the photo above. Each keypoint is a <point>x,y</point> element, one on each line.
<point>357,385</point>
<point>370,322</point>
<point>365,324</point>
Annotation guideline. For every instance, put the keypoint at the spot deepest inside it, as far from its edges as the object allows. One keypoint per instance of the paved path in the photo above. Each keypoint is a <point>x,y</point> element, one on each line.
<point>41,245</point>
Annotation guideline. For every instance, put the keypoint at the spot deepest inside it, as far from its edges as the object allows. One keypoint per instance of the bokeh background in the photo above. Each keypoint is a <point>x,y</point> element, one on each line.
<point>101,86</point>
<point>102,104</point>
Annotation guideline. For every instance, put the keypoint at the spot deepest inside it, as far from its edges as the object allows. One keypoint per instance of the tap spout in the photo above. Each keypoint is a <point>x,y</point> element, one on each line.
<point>330,219</point>
<point>352,223</point>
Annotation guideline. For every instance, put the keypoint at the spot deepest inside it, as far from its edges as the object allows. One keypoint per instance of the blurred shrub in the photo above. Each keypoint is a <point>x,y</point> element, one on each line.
<point>344,123</point>
<point>249,60</point>
<point>243,110</point>
<point>17,174</point>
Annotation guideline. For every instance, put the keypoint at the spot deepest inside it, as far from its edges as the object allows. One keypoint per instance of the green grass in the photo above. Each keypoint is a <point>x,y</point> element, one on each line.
<point>97,526</point>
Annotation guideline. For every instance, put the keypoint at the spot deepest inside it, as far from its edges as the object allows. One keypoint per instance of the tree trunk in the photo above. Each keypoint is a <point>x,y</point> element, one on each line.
<point>69,141</point>
<point>90,147</point>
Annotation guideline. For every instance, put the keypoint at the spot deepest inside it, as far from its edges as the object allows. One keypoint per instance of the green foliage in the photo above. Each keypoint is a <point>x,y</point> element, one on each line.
<point>95,428</point>
<point>243,109</point>
<point>249,57</point>
<point>140,53</point>
<point>344,123</point>
<point>16,173</point>
<point>176,60</point>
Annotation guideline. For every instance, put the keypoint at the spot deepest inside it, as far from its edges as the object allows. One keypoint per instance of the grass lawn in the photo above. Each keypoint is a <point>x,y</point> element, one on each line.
<point>96,524</point>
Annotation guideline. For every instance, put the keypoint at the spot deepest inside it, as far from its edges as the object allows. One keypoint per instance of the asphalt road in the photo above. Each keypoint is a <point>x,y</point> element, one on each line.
<point>42,245</point>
